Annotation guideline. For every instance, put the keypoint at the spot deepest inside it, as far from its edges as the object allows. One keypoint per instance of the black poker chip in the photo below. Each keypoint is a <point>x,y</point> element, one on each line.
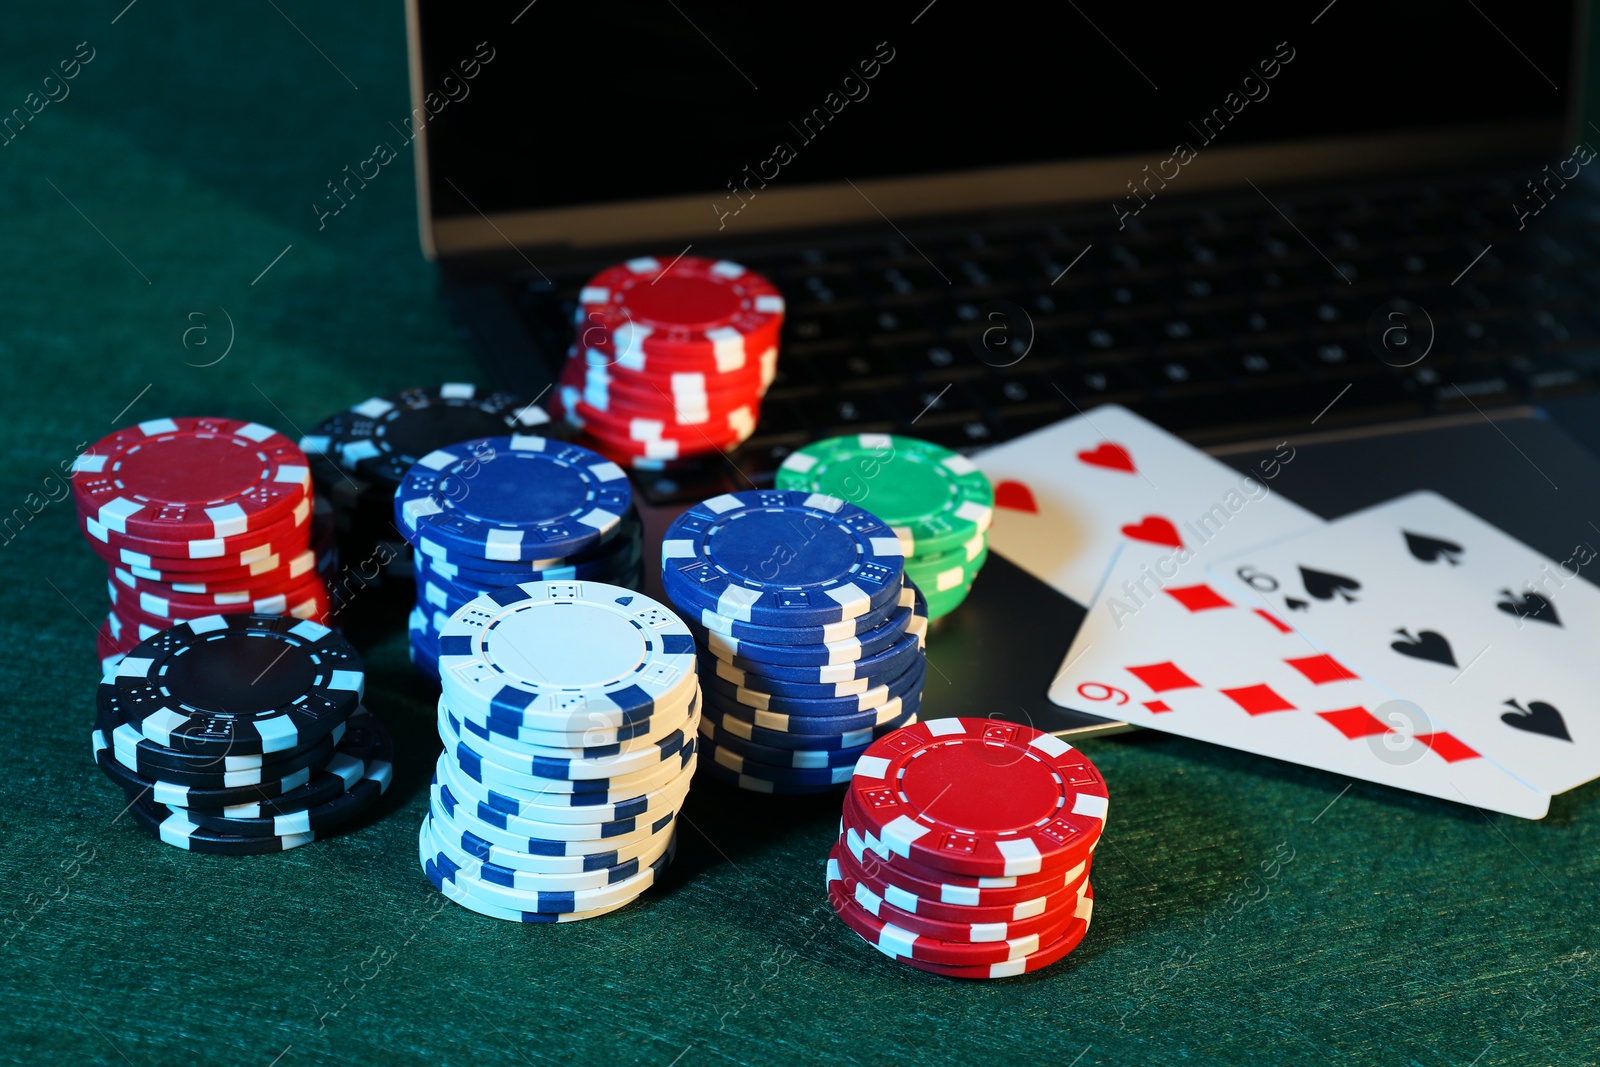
<point>200,770</point>
<point>339,775</point>
<point>382,437</point>
<point>235,685</point>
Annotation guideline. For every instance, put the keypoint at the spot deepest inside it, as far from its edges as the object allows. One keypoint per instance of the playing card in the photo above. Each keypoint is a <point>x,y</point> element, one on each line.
<point>1190,657</point>
<point>1068,496</point>
<point>1492,639</point>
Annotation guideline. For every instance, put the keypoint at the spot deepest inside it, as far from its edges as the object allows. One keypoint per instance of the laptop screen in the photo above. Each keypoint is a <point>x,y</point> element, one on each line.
<point>562,102</point>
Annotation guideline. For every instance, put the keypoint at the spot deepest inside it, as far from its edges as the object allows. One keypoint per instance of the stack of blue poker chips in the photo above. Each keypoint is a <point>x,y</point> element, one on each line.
<point>811,638</point>
<point>568,712</point>
<point>493,512</point>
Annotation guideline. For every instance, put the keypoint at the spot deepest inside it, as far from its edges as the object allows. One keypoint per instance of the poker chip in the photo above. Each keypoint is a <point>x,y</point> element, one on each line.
<point>965,847</point>
<point>798,742</point>
<point>825,725</point>
<point>670,359</point>
<point>342,782</point>
<point>779,757</point>
<point>778,558</point>
<point>961,924</point>
<point>486,514</point>
<point>1047,812</point>
<point>912,618</point>
<point>917,880</point>
<point>810,636</point>
<point>569,714</point>
<point>890,662</point>
<point>201,516</point>
<point>827,634</point>
<point>937,501</point>
<point>962,904</point>
<point>595,877</point>
<point>235,684</point>
<point>189,479</point>
<point>360,455</point>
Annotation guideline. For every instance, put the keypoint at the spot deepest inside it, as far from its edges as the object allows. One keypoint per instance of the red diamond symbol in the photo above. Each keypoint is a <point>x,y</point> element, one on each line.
<point>1277,623</point>
<point>1449,749</point>
<point>1157,705</point>
<point>1354,722</point>
<point>1257,699</point>
<point>1198,598</point>
<point>1163,676</point>
<point>1319,670</point>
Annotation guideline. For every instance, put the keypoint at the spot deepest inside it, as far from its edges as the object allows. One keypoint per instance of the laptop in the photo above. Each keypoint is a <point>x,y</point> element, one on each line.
<point>988,219</point>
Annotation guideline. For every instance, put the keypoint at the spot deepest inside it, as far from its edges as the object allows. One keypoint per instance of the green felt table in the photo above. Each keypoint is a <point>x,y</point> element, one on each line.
<point>1247,911</point>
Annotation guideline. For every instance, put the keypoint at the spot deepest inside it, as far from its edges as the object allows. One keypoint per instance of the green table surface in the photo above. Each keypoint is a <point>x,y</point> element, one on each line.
<point>1247,911</point>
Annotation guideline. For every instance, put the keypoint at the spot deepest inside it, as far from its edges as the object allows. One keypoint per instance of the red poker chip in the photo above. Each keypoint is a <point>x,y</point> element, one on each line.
<point>639,394</point>
<point>688,306</point>
<point>973,928</point>
<point>979,797</point>
<point>215,549</point>
<point>190,479</point>
<point>615,443</point>
<point>900,943</point>
<point>682,384</point>
<point>960,904</point>
<point>752,353</point>
<point>600,392</point>
<point>246,559</point>
<point>652,426</point>
<point>924,881</point>
<point>308,600</point>
<point>758,365</point>
<point>125,630</point>
<point>231,579</point>
<point>1054,952</point>
<point>280,539</point>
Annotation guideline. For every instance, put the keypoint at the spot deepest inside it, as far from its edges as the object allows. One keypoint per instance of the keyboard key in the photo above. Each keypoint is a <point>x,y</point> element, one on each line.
<point>1093,385</point>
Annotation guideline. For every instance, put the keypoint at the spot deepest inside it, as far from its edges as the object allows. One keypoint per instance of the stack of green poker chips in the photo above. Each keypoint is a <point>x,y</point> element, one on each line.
<point>938,502</point>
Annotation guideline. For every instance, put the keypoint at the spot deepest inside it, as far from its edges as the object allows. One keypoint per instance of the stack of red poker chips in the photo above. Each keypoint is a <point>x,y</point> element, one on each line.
<point>966,845</point>
<point>671,359</point>
<point>197,517</point>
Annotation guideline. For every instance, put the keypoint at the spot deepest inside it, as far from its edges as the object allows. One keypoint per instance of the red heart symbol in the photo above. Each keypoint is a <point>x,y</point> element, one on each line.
<point>1109,455</point>
<point>1016,496</point>
<point>1154,529</point>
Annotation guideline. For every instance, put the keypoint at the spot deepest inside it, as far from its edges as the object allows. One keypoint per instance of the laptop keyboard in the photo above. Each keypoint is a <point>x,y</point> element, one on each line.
<point>1216,319</point>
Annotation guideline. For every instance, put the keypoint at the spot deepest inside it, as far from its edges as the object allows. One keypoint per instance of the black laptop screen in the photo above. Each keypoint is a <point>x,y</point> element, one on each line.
<point>564,102</point>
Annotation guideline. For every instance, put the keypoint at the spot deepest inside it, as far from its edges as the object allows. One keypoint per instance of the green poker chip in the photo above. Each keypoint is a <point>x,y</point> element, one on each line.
<point>942,604</point>
<point>933,498</point>
<point>945,578</point>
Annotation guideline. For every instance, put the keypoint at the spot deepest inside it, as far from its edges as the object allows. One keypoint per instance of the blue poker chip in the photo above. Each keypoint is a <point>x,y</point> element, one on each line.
<point>810,742</point>
<point>724,692</point>
<point>831,633</point>
<point>513,499</point>
<point>547,653</point>
<point>606,555</point>
<point>779,558</point>
<point>805,776</point>
<point>913,617</point>
<point>890,662</point>
<point>814,759</point>
<point>715,669</point>
<point>750,783</point>
<point>829,725</point>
